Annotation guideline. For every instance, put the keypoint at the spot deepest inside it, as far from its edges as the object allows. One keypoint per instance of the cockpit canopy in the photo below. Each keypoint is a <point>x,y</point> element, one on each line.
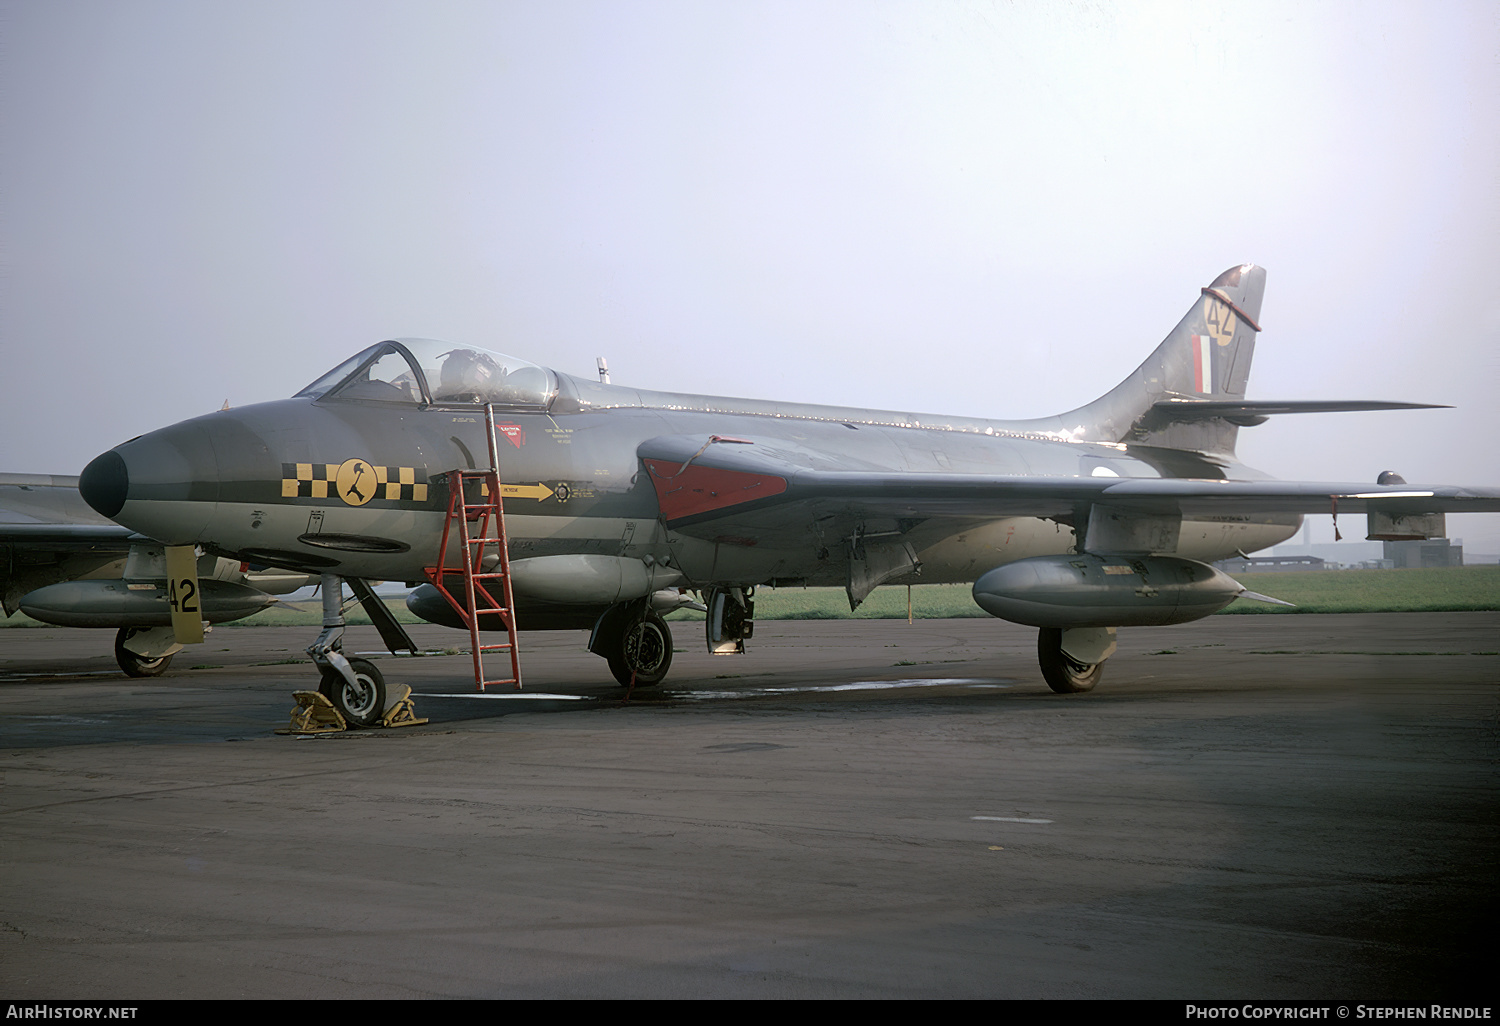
<point>425,371</point>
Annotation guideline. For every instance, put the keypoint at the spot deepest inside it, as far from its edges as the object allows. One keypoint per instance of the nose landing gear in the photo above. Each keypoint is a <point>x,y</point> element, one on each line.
<point>355,687</point>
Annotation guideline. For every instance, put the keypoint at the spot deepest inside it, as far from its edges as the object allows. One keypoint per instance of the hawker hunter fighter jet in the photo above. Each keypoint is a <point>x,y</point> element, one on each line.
<point>618,500</point>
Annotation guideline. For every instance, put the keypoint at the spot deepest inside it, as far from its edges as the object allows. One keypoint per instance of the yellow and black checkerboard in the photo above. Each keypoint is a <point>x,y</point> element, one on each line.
<point>316,481</point>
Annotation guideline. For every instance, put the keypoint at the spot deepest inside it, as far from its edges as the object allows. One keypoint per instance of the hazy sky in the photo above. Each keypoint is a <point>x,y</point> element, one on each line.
<point>991,209</point>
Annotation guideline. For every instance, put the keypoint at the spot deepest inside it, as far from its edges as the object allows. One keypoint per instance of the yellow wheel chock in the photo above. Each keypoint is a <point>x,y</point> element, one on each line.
<point>402,712</point>
<point>315,714</point>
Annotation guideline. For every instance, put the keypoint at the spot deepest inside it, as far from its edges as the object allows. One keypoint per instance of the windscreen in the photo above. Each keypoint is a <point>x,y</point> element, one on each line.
<point>431,371</point>
<point>339,373</point>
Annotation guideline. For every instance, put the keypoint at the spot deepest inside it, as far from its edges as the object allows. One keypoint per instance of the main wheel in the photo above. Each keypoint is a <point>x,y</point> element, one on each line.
<point>645,652</point>
<point>137,665</point>
<point>1063,674</point>
<point>361,703</point>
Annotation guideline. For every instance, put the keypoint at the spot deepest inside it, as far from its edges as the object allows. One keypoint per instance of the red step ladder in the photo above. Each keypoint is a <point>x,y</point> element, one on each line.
<point>485,557</point>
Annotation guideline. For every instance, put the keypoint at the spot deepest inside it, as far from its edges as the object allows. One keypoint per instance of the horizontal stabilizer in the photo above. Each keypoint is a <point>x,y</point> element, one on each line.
<point>1254,411</point>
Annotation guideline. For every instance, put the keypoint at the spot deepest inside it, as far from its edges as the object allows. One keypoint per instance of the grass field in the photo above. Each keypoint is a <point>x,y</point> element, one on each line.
<point>1450,589</point>
<point>1327,591</point>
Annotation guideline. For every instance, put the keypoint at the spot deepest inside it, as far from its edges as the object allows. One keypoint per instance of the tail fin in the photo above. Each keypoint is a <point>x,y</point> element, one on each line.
<point>1207,356</point>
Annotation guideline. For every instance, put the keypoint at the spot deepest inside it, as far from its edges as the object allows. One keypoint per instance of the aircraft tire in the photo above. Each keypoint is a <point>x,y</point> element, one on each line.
<point>645,651</point>
<point>361,706</point>
<point>135,665</point>
<point>1064,675</point>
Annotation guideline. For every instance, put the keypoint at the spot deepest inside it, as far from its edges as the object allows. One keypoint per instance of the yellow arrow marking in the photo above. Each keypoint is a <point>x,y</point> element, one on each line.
<point>537,491</point>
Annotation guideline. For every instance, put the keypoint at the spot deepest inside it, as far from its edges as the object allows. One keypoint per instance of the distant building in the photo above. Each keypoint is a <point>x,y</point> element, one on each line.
<point>1265,564</point>
<point>1350,550</point>
<point>1408,555</point>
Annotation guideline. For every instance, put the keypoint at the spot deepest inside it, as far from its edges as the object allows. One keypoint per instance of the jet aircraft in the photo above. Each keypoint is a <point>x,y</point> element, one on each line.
<point>618,499</point>
<point>64,564</point>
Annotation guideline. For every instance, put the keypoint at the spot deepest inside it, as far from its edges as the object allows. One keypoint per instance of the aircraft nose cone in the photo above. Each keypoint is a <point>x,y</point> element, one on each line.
<point>104,483</point>
<point>164,484</point>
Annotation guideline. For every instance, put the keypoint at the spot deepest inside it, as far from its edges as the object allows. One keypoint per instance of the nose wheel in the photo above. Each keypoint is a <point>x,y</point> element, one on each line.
<point>361,701</point>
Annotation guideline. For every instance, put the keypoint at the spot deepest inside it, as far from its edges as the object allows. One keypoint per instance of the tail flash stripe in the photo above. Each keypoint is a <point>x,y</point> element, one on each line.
<point>1203,364</point>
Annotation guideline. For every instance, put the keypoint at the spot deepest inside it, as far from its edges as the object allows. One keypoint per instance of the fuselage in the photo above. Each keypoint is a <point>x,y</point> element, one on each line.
<point>357,486</point>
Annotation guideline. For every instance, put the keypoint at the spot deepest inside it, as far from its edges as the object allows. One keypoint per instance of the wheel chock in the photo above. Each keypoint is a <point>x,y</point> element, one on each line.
<point>402,712</point>
<point>314,714</point>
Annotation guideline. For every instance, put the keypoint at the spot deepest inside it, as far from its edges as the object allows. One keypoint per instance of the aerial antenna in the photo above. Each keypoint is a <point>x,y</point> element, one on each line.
<point>603,370</point>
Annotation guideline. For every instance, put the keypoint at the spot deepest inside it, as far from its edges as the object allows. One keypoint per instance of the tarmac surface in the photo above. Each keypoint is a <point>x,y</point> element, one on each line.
<point>1248,807</point>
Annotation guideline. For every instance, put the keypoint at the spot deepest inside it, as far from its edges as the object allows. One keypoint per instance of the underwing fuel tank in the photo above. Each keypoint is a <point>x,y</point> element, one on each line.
<point>125,603</point>
<point>1104,591</point>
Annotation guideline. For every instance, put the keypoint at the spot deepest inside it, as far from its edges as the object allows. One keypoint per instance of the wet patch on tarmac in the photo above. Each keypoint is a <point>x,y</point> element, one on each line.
<point>861,685</point>
<point>537,696</point>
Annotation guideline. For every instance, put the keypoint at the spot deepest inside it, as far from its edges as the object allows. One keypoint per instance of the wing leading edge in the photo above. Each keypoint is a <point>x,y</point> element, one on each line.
<point>47,535</point>
<point>699,486</point>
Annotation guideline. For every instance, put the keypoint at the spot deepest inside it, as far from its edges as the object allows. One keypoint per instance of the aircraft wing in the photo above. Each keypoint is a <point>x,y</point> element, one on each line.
<point>733,486</point>
<point>111,537</point>
<point>49,534</point>
<point>46,510</point>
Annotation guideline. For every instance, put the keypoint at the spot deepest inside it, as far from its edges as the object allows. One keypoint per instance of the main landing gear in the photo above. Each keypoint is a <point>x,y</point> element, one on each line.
<point>637,643</point>
<point>145,651</point>
<point>1072,660</point>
